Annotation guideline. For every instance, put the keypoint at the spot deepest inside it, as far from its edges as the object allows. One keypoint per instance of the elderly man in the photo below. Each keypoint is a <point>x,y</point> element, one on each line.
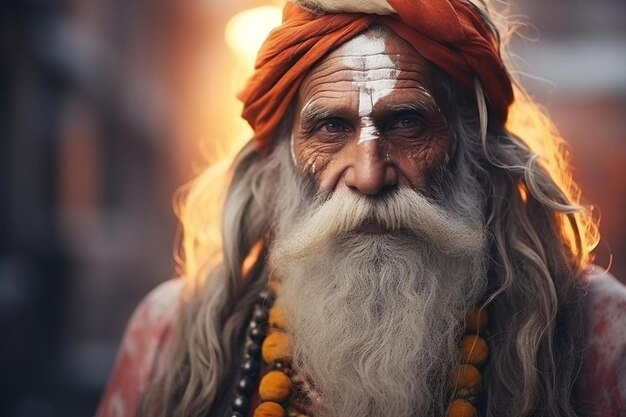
<point>391,245</point>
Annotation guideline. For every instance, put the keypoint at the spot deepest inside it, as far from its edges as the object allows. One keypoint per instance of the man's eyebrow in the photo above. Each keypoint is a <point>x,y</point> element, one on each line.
<point>312,113</point>
<point>414,106</point>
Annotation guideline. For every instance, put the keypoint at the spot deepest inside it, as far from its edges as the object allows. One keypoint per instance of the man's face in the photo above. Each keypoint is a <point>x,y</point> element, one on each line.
<point>367,118</point>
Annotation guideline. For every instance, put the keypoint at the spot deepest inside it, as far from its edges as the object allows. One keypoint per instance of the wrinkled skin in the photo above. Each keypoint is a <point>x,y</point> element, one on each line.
<point>367,117</point>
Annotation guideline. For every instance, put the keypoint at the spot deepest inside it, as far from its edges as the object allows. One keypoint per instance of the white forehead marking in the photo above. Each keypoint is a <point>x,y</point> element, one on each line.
<point>365,55</point>
<point>368,130</point>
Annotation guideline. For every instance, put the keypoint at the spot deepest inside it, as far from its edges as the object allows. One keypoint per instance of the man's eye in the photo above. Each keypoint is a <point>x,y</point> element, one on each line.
<point>407,122</point>
<point>334,126</point>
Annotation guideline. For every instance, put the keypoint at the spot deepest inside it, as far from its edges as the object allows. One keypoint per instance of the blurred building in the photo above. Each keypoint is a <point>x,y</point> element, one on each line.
<point>108,107</point>
<point>575,53</point>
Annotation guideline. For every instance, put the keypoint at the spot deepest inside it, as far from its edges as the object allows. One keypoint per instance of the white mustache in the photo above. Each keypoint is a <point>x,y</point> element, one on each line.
<point>404,209</point>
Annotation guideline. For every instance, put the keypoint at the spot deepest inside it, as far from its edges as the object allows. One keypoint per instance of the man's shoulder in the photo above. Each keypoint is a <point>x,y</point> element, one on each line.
<point>154,318</point>
<point>600,280</point>
<point>605,354</point>
<point>146,339</point>
<point>159,307</point>
<point>605,301</point>
<point>605,309</point>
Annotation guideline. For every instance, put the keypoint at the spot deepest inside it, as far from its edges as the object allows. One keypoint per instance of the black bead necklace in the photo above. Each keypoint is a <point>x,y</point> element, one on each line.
<point>251,364</point>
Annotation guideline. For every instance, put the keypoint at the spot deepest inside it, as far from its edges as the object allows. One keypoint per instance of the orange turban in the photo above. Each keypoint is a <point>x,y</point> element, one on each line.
<point>449,33</point>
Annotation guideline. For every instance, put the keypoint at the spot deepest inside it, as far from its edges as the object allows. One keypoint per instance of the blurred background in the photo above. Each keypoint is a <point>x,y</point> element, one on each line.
<point>106,108</point>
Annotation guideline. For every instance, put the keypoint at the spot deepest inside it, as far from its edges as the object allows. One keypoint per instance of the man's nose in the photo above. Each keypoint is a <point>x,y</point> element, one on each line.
<point>371,171</point>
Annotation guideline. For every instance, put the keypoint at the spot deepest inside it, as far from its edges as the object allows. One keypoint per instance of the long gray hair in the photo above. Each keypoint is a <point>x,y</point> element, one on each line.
<point>540,241</point>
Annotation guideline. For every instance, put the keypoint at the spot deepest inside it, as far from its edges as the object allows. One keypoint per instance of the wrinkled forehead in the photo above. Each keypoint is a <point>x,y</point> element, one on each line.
<point>376,55</point>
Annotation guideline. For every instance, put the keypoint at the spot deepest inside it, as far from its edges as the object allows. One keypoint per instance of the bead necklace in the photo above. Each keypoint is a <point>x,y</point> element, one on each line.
<point>282,393</point>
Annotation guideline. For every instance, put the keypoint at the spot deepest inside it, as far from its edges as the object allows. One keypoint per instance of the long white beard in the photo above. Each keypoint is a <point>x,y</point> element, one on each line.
<point>375,318</point>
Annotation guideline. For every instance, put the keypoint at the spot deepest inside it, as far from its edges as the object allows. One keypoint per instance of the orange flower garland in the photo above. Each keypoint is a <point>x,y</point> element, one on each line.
<point>474,352</point>
<point>275,386</point>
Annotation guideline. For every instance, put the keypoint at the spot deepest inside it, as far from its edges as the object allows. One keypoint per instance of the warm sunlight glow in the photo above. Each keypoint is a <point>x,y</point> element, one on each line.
<point>199,203</point>
<point>247,30</point>
<point>528,121</point>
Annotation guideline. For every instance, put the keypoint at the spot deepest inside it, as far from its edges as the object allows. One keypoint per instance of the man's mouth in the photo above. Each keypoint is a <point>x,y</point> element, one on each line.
<point>371,227</point>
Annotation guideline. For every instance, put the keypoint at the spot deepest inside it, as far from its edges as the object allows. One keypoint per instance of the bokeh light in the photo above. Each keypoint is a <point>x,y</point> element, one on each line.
<point>246,31</point>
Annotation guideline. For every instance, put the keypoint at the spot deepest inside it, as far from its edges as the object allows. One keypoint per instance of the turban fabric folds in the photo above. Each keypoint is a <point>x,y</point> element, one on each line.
<point>449,33</point>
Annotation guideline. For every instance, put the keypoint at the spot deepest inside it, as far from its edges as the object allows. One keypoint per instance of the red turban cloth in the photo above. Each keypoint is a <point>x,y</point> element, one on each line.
<point>449,33</point>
